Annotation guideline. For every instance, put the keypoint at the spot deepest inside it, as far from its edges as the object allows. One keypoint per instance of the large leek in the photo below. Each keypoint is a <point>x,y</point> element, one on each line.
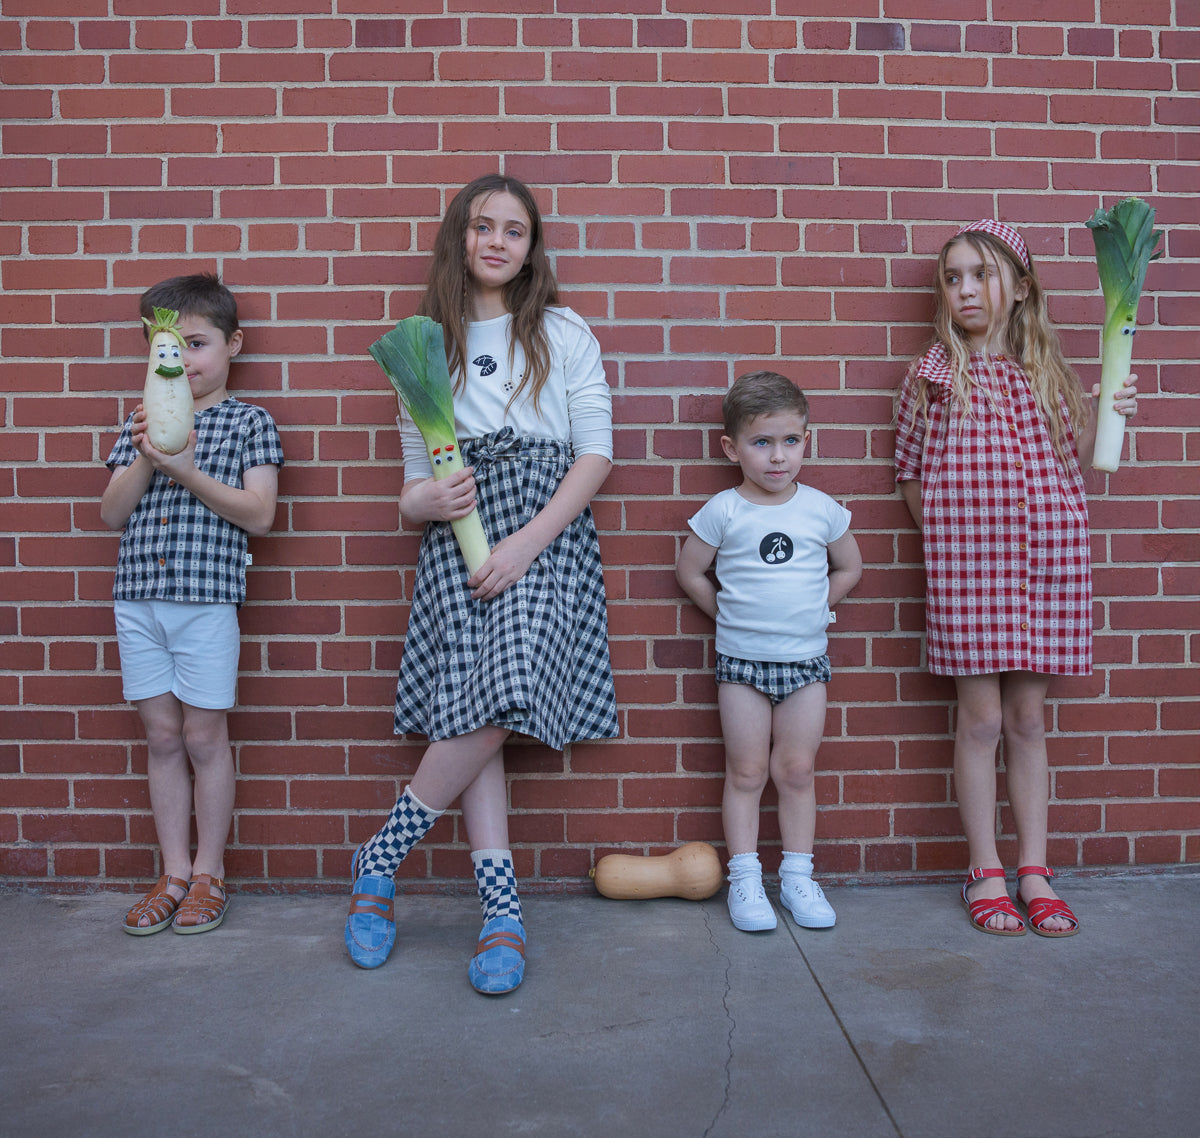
<point>413,357</point>
<point>1125,238</point>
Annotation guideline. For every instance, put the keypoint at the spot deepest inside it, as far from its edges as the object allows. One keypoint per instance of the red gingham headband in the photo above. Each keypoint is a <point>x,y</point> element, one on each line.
<point>1002,232</point>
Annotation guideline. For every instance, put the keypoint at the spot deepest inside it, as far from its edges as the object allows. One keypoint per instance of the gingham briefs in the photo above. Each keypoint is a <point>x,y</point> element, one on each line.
<point>174,547</point>
<point>776,679</point>
<point>1007,556</point>
<point>534,659</point>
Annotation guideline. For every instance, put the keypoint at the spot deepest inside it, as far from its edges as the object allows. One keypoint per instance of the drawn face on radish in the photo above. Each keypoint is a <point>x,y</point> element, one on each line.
<point>167,396</point>
<point>165,349</point>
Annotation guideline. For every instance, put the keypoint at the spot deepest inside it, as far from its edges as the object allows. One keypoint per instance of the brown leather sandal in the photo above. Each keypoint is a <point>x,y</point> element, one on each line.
<point>202,909</point>
<point>159,905</point>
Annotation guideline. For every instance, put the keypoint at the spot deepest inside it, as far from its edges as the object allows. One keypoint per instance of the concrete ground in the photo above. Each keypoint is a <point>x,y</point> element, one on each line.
<point>648,1019</point>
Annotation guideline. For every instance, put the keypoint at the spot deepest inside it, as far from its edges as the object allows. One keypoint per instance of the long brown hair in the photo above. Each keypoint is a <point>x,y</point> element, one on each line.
<point>526,296</point>
<point>1028,336</point>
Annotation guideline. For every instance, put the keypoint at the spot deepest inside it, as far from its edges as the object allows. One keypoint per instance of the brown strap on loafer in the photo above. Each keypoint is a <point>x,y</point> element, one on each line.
<point>501,940</point>
<point>373,905</point>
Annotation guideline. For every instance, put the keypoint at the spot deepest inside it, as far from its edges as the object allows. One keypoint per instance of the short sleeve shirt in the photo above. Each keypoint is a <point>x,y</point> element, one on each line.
<point>174,547</point>
<point>1005,524</point>
<point>773,572</point>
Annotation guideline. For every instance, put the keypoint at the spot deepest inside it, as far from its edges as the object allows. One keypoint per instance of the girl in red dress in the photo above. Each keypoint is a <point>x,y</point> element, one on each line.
<point>993,433</point>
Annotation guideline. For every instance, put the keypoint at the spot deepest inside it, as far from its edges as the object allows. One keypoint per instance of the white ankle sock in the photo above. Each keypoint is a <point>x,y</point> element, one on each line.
<point>796,865</point>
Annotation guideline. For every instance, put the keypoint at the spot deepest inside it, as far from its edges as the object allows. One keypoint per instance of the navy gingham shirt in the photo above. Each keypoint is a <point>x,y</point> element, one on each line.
<point>174,547</point>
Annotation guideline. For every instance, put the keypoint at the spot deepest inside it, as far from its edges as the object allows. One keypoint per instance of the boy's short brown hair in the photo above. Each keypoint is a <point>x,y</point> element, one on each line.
<point>760,393</point>
<point>198,294</point>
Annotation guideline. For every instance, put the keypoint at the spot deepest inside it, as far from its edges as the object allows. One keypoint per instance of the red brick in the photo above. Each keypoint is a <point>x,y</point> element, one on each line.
<point>671,215</point>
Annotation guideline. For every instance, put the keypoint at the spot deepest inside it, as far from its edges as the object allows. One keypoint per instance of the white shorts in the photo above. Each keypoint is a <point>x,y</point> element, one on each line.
<point>190,650</point>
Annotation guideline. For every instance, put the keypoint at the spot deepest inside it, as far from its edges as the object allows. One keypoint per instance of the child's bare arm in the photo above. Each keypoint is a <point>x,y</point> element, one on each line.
<point>910,491</point>
<point>512,556</point>
<point>250,507</point>
<point>124,491</point>
<point>691,571</point>
<point>845,567</point>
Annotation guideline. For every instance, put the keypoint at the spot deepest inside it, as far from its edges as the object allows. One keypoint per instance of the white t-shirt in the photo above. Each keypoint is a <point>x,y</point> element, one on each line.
<point>575,404</point>
<point>772,571</point>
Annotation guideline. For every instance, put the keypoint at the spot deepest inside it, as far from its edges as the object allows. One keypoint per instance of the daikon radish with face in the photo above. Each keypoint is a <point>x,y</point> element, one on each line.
<point>167,397</point>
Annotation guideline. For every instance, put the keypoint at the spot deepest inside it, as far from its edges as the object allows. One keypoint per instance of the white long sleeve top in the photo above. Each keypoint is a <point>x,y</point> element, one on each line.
<point>575,404</point>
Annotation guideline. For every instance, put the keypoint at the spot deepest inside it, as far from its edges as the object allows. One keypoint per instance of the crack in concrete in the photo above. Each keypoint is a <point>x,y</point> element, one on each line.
<point>603,1029</point>
<point>732,1027</point>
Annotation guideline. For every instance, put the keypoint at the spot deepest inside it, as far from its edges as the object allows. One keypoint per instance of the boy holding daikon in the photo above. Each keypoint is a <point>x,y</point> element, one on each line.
<point>784,556</point>
<point>180,580</point>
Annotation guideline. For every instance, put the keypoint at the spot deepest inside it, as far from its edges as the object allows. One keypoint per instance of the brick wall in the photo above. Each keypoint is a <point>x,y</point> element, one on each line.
<point>728,183</point>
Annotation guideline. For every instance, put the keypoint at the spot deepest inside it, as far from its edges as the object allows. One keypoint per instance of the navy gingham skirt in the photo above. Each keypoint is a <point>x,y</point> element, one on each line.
<point>535,658</point>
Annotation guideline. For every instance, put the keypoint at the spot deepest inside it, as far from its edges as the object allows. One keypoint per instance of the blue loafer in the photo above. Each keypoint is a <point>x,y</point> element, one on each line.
<point>371,922</point>
<point>498,965</point>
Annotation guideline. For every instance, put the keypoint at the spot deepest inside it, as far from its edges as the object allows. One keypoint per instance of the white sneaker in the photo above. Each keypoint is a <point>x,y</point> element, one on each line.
<point>749,908</point>
<point>803,898</point>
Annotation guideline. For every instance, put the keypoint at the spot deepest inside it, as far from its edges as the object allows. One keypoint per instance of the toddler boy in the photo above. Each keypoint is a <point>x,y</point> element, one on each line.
<point>784,556</point>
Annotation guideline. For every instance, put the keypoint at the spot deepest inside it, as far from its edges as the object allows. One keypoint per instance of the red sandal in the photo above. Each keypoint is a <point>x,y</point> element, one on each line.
<point>1041,909</point>
<point>202,909</point>
<point>159,905</point>
<point>985,908</point>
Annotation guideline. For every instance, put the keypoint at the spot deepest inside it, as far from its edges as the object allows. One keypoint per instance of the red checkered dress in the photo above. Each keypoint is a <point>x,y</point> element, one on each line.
<point>1007,560</point>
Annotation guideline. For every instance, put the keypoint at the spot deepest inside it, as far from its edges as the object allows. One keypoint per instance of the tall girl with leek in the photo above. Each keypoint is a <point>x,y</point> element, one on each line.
<point>520,644</point>
<point>992,435</point>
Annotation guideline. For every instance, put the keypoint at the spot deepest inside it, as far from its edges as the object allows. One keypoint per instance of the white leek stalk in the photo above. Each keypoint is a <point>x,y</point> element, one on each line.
<point>1125,238</point>
<point>413,357</point>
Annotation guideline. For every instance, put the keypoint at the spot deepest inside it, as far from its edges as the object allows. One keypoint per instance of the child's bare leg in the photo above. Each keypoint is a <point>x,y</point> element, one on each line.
<point>485,807</point>
<point>1028,771</point>
<point>450,766</point>
<point>206,735</point>
<point>746,727</point>
<point>170,783</point>
<point>446,770</point>
<point>975,738</point>
<point>798,724</point>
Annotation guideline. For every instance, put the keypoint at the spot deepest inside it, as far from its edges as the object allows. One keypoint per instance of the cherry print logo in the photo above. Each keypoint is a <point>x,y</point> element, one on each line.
<point>775,548</point>
<point>486,364</point>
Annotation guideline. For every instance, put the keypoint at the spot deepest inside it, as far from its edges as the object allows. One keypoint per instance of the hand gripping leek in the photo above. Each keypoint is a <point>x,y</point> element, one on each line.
<point>1125,238</point>
<point>413,357</point>
<point>167,396</point>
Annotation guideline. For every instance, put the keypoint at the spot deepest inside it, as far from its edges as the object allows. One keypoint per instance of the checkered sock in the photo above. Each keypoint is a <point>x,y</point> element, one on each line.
<point>407,824</point>
<point>497,884</point>
<point>796,865</point>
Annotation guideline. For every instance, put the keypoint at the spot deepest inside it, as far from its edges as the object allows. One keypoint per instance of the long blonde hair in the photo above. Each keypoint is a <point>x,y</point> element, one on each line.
<point>526,296</point>
<point>1027,334</point>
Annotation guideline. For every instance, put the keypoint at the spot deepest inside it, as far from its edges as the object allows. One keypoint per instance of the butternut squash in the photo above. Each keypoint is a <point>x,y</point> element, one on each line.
<point>692,872</point>
<point>167,396</point>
